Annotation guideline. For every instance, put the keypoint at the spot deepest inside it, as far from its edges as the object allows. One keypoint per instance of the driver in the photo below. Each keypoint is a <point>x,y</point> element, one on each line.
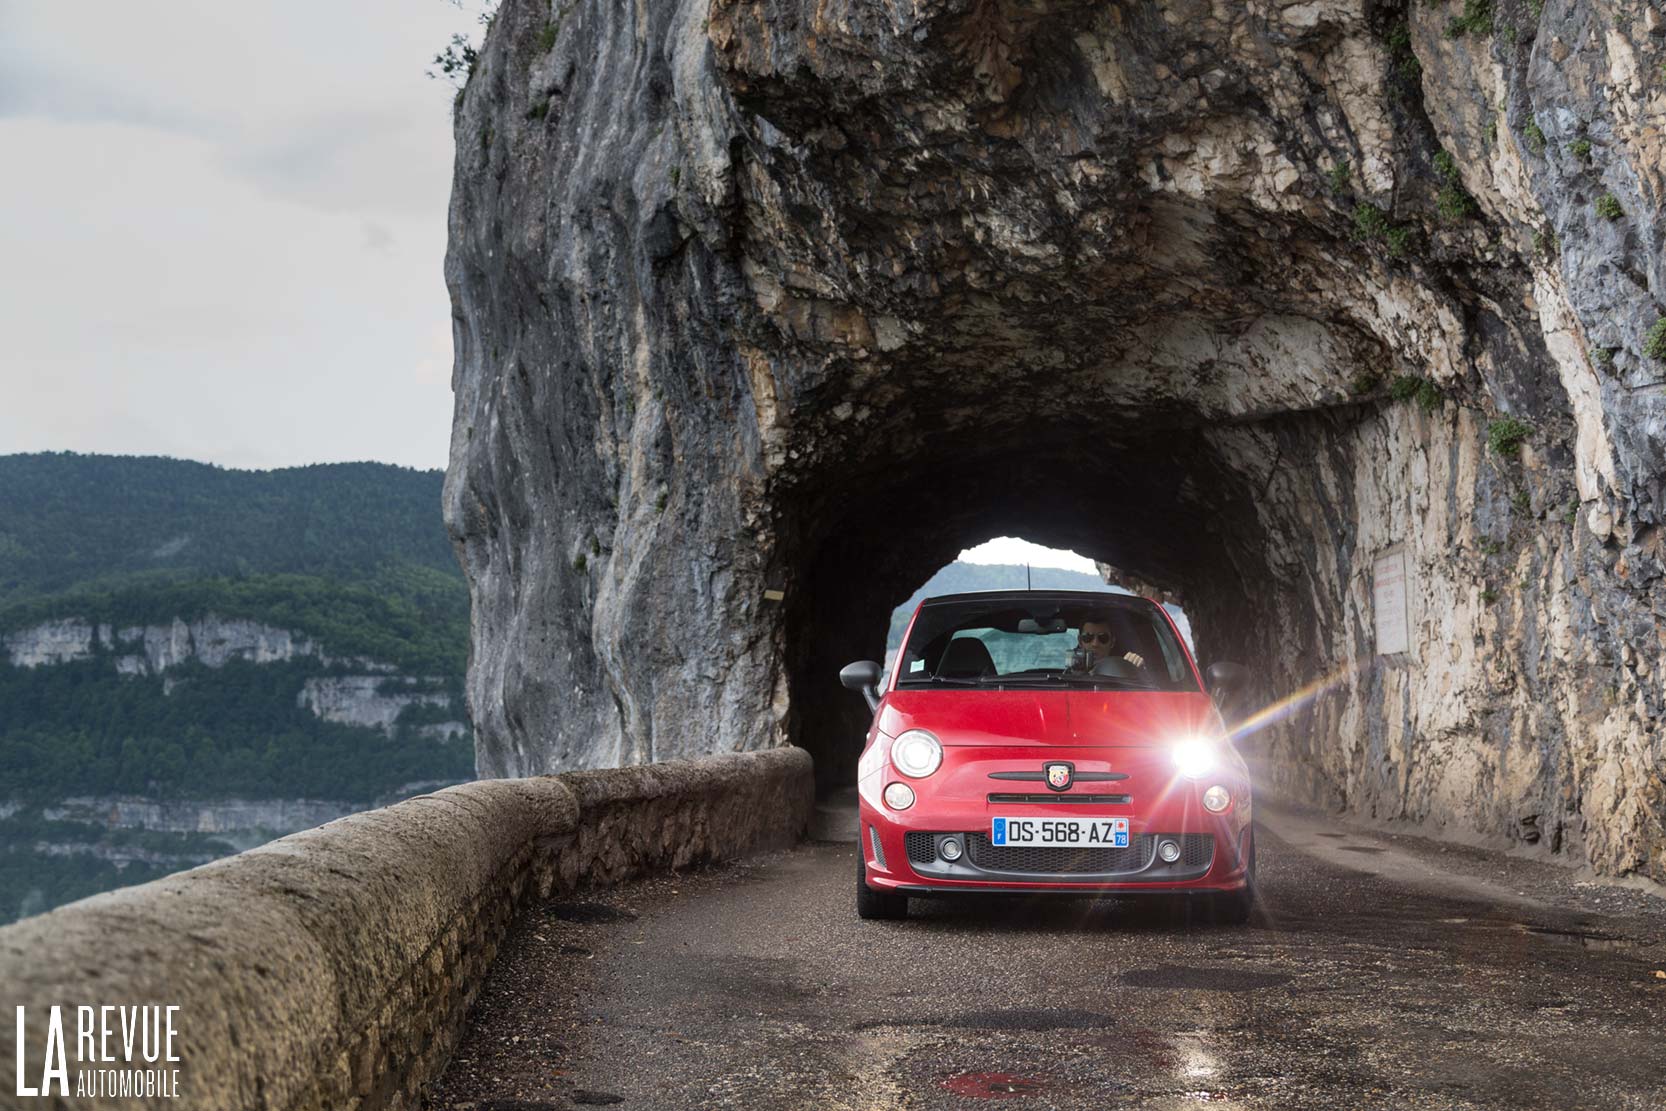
<point>1096,636</point>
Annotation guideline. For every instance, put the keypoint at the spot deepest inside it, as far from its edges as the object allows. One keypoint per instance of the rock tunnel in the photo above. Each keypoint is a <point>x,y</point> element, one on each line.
<point>764,310</point>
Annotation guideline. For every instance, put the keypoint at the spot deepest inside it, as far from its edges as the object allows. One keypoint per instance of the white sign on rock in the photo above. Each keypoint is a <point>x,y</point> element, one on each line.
<point>1388,593</point>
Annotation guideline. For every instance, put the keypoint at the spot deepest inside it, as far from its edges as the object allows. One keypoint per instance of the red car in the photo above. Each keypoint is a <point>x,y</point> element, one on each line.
<point>1049,741</point>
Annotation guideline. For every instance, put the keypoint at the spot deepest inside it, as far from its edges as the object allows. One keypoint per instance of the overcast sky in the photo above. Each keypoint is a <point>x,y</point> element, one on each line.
<point>1010,549</point>
<point>223,229</point>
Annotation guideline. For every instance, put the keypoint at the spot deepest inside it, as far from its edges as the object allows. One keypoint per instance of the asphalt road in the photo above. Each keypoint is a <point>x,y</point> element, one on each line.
<point>1385,971</point>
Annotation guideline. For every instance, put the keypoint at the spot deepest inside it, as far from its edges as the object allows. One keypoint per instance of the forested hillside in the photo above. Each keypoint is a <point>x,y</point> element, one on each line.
<point>185,648</point>
<point>70,520</point>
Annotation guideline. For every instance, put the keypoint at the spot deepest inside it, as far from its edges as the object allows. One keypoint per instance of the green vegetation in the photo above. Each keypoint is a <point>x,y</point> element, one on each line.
<point>1370,222</point>
<point>1477,19</point>
<point>1453,201</point>
<point>1536,7</point>
<point>1580,149</point>
<point>1535,136</point>
<point>1608,207</point>
<point>538,111</point>
<point>660,502</point>
<point>1602,357</point>
<point>351,557</point>
<point>1410,387</point>
<point>1490,547</point>
<point>1506,435</point>
<point>1521,501</point>
<point>546,38</point>
<point>1365,382</point>
<point>234,731</point>
<point>1654,341</point>
<point>1489,595</point>
<point>456,62</point>
<point>34,883</point>
<point>68,520</point>
<point>1339,177</point>
<point>1404,387</point>
<point>1400,53</point>
<point>580,562</point>
<point>413,617</point>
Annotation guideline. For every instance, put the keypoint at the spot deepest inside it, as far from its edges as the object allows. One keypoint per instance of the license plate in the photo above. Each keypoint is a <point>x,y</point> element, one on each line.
<point>1105,833</point>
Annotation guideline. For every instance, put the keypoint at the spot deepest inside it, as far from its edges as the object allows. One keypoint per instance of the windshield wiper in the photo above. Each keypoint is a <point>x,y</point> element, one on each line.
<point>1075,677</point>
<point>950,679</point>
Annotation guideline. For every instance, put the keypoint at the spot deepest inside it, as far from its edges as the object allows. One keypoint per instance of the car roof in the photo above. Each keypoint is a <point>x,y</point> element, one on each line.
<point>1089,597</point>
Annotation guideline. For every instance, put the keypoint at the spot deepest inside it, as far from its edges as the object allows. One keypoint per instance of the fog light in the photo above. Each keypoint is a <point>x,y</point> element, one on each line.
<point>1169,851</point>
<point>1216,799</point>
<point>899,796</point>
<point>949,849</point>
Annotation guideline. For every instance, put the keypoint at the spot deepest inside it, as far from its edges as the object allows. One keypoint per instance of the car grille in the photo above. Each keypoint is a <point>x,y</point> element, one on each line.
<point>878,849</point>
<point>1056,861</point>
<point>1196,852</point>
<point>922,847</point>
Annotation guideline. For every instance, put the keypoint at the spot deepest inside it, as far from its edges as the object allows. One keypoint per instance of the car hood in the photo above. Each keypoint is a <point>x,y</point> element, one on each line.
<point>1052,717</point>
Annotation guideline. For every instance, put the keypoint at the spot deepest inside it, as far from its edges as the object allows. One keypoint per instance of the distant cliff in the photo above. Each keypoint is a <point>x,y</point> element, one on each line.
<point>195,660</point>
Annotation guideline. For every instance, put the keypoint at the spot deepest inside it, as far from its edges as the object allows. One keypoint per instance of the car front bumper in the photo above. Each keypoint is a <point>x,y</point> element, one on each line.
<point>904,849</point>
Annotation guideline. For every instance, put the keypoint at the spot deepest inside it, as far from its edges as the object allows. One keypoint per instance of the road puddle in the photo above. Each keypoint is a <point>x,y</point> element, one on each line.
<point>1584,939</point>
<point>1598,940</point>
<point>992,1085</point>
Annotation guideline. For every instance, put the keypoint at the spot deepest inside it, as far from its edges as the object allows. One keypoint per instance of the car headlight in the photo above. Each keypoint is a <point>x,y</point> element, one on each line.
<point>1194,757</point>
<point>916,753</point>
<point>1216,799</point>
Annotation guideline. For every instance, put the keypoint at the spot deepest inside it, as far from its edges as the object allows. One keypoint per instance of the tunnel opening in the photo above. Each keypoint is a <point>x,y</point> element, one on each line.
<point>1005,563</point>
<point>1151,508</point>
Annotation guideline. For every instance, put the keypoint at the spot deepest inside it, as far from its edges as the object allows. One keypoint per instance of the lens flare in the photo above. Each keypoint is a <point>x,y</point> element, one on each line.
<point>1290,703</point>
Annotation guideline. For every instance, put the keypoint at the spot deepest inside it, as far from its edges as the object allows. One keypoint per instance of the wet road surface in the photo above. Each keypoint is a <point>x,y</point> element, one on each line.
<point>1384,971</point>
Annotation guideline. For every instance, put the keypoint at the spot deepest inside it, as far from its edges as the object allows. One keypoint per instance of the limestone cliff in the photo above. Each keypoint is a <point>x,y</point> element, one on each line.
<point>765,308</point>
<point>374,697</point>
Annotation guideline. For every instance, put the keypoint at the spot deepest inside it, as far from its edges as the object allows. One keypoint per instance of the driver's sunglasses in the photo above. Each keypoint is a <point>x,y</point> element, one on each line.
<point>1099,638</point>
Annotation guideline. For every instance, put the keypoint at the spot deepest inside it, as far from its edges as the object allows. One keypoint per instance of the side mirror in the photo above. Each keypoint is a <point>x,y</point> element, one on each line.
<point>863,676</point>
<point>1226,678</point>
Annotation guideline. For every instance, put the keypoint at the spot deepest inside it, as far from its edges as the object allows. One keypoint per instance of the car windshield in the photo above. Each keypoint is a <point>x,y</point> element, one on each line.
<point>1034,641</point>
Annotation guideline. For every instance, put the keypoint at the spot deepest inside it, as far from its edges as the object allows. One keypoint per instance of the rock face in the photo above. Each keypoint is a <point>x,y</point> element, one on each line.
<point>375,700</point>
<point>368,700</point>
<point>764,309</point>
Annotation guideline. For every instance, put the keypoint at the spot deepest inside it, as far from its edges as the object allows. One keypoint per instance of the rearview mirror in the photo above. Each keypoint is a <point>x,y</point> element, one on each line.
<point>862,676</point>
<point>1226,677</point>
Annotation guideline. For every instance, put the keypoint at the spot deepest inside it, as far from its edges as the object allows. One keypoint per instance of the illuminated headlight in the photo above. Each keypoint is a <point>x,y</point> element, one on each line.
<point>899,796</point>
<point>1216,799</point>
<point>916,753</point>
<point>1194,758</point>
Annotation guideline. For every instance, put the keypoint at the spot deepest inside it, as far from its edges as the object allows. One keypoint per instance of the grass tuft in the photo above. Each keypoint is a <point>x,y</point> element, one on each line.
<point>1654,341</point>
<point>1506,435</point>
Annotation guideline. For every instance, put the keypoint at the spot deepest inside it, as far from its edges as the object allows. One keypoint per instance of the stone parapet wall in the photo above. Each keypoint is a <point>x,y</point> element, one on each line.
<point>332,969</point>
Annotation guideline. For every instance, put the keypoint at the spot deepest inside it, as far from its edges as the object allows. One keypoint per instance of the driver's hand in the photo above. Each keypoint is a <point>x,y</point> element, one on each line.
<point>1135,658</point>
